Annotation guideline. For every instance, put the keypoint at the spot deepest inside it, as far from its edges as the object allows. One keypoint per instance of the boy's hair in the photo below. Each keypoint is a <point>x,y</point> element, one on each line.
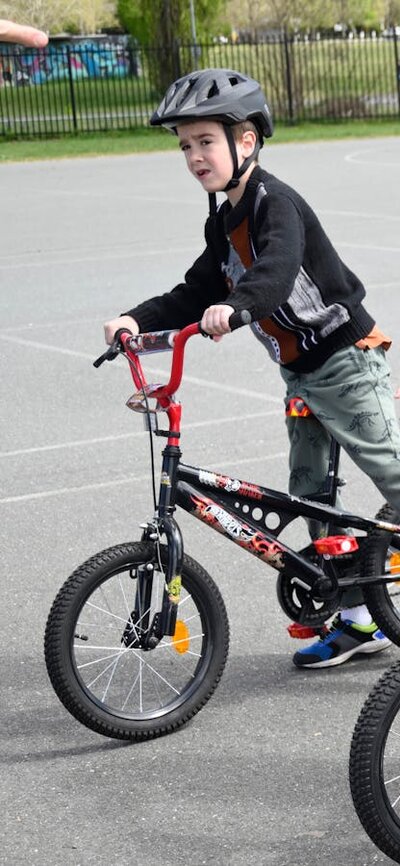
<point>239,129</point>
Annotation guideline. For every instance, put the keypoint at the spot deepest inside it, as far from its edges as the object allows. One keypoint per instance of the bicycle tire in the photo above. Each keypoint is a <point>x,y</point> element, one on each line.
<point>129,698</point>
<point>371,758</point>
<point>378,598</point>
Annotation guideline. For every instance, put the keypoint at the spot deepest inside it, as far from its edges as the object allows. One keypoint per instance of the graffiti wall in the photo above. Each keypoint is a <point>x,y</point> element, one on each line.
<point>106,57</point>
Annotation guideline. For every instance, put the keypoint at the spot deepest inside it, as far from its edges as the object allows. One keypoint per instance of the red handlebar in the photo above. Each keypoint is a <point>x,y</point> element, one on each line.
<point>178,350</point>
<point>156,341</point>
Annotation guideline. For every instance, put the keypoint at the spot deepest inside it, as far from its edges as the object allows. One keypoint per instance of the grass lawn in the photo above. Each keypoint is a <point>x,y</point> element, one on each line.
<point>151,140</point>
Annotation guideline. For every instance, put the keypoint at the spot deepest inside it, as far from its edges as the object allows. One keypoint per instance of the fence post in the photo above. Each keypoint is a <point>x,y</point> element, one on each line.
<point>397,62</point>
<point>288,76</point>
<point>71,89</point>
<point>176,55</point>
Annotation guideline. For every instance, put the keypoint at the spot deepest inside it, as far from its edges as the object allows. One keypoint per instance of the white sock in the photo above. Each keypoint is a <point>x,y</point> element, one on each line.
<point>359,614</point>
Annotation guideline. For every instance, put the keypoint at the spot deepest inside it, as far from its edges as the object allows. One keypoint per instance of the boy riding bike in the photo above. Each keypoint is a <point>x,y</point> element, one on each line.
<point>267,253</point>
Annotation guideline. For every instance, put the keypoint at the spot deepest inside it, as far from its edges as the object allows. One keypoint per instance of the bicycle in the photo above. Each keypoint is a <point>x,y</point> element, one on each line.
<point>137,638</point>
<point>374,759</point>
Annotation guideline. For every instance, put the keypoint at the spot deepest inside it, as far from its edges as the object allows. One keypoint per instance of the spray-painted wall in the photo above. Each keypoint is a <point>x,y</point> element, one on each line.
<point>104,57</point>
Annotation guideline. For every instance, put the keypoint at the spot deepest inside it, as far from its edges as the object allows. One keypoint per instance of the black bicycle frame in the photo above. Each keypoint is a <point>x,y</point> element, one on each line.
<point>242,511</point>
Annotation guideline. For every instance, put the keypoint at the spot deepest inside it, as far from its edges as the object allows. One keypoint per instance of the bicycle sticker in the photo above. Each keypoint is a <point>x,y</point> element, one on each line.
<point>174,589</point>
<point>254,542</point>
<point>231,485</point>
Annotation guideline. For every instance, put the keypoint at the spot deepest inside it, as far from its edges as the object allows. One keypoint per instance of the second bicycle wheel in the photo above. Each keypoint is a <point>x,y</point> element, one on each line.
<point>375,764</point>
<point>107,678</point>
<point>382,557</point>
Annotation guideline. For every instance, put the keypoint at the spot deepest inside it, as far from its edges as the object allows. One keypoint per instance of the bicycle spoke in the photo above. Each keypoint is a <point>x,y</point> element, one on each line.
<point>102,672</point>
<point>130,691</point>
<point>130,621</point>
<point>97,661</point>
<point>118,673</point>
<point>111,675</point>
<point>107,662</point>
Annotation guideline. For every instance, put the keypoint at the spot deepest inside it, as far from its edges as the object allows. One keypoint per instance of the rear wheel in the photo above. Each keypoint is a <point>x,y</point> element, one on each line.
<point>382,556</point>
<point>375,764</point>
<point>96,653</point>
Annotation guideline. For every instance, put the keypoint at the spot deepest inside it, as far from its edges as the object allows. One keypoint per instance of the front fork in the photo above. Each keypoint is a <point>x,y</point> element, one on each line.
<point>164,524</point>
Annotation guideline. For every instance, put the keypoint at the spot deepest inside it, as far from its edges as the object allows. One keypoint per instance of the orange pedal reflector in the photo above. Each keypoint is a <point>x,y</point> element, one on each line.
<point>394,563</point>
<point>335,545</point>
<point>181,639</point>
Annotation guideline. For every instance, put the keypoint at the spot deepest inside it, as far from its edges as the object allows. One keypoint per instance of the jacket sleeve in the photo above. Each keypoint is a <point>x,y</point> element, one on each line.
<point>204,285</point>
<point>279,241</point>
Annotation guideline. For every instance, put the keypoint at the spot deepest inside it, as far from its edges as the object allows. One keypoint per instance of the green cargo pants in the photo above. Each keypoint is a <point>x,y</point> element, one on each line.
<point>351,399</point>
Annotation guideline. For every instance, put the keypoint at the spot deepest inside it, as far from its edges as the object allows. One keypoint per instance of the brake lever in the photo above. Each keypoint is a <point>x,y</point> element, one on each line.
<point>114,349</point>
<point>109,355</point>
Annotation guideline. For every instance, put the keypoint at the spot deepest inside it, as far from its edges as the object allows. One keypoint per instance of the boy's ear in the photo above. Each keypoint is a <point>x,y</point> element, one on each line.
<point>248,142</point>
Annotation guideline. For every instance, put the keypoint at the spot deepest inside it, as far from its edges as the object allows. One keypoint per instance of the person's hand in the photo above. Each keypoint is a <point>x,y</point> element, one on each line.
<point>21,33</point>
<point>397,394</point>
<point>215,320</point>
<point>115,324</point>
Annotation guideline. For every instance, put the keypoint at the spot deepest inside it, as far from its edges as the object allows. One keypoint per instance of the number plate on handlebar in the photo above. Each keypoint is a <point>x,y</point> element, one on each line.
<point>156,341</point>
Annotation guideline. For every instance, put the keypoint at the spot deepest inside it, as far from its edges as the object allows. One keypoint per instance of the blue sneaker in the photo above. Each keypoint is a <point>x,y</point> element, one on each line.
<point>341,642</point>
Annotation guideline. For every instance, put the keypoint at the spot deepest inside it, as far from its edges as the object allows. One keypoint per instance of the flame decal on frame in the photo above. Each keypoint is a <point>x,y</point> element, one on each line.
<point>256,543</point>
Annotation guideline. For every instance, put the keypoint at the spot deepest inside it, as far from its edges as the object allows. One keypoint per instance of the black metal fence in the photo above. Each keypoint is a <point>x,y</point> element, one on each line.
<point>89,85</point>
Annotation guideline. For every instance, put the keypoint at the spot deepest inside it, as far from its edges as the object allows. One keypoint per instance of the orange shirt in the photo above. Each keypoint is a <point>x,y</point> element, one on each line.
<point>375,338</point>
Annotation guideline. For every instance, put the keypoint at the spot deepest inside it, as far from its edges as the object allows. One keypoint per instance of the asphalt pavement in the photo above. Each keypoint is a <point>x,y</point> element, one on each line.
<point>260,775</point>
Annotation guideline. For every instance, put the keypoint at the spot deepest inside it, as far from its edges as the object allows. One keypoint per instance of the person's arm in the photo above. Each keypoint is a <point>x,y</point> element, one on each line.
<point>204,285</point>
<point>22,34</point>
<point>280,237</point>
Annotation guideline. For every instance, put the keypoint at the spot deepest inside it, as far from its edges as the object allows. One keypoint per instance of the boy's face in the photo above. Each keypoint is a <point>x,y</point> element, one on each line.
<point>207,153</point>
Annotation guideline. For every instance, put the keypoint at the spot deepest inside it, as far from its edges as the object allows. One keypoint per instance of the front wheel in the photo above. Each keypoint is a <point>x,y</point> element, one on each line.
<point>97,657</point>
<point>375,764</point>
<point>382,556</point>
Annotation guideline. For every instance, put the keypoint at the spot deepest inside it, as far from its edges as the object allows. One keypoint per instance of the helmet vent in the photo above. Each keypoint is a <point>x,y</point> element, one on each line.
<point>213,91</point>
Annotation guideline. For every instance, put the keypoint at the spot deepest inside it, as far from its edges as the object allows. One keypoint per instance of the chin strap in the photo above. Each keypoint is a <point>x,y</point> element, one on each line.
<point>238,172</point>
<point>212,204</point>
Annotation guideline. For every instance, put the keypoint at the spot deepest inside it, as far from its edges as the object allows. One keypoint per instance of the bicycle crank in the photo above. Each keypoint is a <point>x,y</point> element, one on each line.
<point>298,601</point>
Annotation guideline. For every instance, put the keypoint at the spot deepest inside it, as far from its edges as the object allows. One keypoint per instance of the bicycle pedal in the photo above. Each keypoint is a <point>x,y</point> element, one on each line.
<point>302,632</point>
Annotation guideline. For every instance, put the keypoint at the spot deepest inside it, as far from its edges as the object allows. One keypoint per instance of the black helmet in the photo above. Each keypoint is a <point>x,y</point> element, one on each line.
<point>221,94</point>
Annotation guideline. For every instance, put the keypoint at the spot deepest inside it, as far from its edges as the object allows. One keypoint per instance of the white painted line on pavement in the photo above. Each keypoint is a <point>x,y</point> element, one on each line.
<point>375,247</point>
<point>358,214</point>
<point>193,380</point>
<point>100,256</point>
<point>117,482</point>
<point>79,443</point>
<point>359,157</point>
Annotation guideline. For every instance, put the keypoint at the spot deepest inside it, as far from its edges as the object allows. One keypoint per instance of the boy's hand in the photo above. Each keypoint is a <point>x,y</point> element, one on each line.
<point>216,319</point>
<point>114,325</point>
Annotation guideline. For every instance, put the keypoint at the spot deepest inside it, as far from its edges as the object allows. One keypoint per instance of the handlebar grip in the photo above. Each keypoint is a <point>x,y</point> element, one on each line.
<point>112,350</point>
<point>238,319</point>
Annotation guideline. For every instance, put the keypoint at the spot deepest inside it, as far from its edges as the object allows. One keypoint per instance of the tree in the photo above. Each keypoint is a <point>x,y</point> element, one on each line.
<point>391,12</point>
<point>167,25</point>
<point>254,16</point>
<point>151,21</point>
<point>55,16</point>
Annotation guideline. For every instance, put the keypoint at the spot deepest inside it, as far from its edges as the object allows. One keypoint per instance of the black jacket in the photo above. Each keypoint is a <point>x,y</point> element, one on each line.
<point>270,255</point>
